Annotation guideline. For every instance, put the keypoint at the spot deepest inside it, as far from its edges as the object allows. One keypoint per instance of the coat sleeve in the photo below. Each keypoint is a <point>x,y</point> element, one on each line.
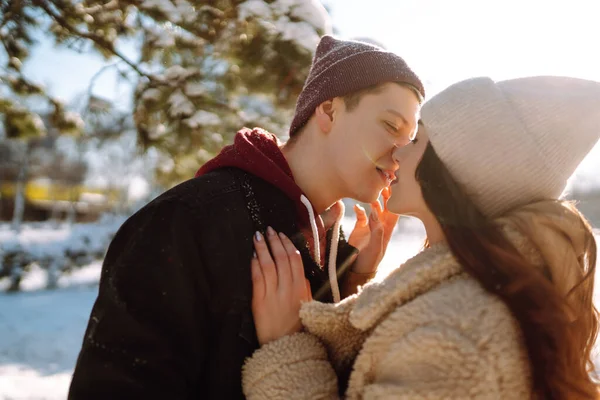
<point>433,362</point>
<point>146,334</point>
<point>353,280</point>
<point>293,367</point>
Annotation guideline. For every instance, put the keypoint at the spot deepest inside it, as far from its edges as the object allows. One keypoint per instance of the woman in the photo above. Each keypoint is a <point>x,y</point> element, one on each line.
<point>498,305</point>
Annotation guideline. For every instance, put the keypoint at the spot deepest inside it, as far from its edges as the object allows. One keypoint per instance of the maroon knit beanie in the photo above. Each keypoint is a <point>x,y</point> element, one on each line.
<point>341,67</point>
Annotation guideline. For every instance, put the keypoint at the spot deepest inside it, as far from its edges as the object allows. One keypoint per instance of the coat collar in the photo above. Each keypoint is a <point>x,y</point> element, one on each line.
<point>343,327</point>
<point>416,276</point>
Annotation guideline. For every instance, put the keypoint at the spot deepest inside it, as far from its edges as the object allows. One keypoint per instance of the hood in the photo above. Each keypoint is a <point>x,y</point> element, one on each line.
<point>258,152</point>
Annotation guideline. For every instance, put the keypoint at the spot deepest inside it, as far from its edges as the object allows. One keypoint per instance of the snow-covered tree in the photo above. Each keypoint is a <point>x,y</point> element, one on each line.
<point>201,69</point>
<point>29,145</point>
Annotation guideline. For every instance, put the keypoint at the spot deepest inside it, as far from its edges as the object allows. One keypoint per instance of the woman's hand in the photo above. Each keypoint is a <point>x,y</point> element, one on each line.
<point>279,287</point>
<point>372,235</point>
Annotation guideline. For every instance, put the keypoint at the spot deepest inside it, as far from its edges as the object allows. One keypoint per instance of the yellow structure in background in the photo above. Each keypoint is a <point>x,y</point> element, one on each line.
<point>50,195</point>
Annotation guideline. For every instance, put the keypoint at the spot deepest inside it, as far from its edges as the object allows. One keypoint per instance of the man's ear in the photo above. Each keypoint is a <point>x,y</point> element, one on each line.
<point>324,114</point>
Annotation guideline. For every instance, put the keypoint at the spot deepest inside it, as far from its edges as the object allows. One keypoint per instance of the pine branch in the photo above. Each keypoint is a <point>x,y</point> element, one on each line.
<point>99,40</point>
<point>91,85</point>
<point>8,11</point>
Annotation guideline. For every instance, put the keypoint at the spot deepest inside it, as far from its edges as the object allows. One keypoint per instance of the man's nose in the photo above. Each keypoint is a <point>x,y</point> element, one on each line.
<point>393,162</point>
<point>396,155</point>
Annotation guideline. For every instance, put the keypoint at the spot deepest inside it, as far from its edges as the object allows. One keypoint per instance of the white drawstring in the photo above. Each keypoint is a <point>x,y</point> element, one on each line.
<point>313,227</point>
<point>331,265</point>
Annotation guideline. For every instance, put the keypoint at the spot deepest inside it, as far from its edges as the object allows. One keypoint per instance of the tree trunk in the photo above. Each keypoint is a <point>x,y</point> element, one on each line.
<point>1,201</point>
<point>53,272</point>
<point>16,270</point>
<point>72,211</point>
<point>19,209</point>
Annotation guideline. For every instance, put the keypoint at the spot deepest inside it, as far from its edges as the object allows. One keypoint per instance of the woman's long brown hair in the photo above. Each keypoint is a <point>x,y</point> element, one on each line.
<point>559,337</point>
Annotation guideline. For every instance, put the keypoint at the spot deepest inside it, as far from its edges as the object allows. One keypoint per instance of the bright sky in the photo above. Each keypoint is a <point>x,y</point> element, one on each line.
<point>444,41</point>
<point>447,41</point>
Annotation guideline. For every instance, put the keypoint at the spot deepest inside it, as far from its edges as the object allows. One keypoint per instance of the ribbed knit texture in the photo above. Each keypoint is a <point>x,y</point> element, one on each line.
<point>513,142</point>
<point>341,67</point>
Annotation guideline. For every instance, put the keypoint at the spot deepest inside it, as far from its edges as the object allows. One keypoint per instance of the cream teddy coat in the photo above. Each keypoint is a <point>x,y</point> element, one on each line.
<point>428,331</point>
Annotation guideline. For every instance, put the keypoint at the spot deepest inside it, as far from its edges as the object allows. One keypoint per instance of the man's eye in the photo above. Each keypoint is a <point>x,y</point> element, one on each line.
<point>392,127</point>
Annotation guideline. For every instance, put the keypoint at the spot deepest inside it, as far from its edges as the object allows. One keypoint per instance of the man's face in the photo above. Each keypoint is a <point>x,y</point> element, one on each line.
<point>361,141</point>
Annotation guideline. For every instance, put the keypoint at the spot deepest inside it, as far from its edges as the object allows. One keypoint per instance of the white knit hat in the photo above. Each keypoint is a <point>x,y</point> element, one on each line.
<point>513,142</point>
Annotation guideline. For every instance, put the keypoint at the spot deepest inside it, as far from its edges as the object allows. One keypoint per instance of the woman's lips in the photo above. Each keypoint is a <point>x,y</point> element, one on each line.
<point>387,176</point>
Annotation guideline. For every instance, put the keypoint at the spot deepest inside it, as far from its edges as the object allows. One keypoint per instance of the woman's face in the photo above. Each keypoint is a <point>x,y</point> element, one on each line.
<point>407,198</point>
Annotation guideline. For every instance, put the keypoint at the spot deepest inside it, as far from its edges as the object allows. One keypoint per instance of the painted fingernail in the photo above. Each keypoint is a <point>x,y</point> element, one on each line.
<point>254,255</point>
<point>258,236</point>
<point>282,235</point>
<point>270,231</point>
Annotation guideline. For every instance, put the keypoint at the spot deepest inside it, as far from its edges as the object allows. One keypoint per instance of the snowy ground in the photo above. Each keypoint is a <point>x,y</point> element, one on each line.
<point>59,246</point>
<point>41,331</point>
<point>40,336</point>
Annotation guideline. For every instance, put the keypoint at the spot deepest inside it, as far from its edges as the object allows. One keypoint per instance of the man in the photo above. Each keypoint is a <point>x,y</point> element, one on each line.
<point>173,319</point>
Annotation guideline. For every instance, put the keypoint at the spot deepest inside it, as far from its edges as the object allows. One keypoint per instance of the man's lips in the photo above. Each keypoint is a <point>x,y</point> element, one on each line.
<point>387,175</point>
